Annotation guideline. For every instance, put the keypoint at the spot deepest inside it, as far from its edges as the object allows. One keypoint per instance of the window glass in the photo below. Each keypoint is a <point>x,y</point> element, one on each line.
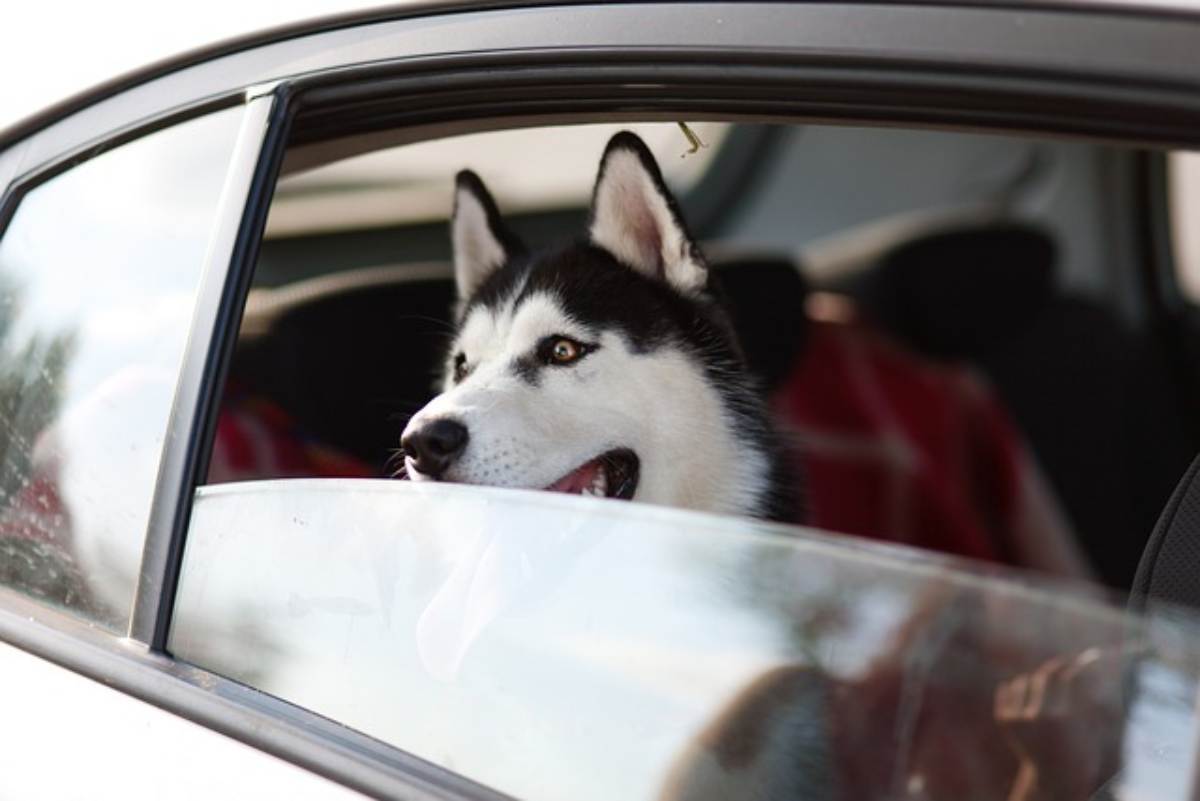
<point>99,269</point>
<point>556,647</point>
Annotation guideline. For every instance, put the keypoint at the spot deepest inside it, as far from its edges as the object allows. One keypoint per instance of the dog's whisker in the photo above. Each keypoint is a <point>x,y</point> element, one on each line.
<point>397,456</point>
<point>447,326</point>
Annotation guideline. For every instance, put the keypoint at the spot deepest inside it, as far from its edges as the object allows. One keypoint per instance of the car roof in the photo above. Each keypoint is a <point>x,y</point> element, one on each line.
<point>40,53</point>
<point>284,22</point>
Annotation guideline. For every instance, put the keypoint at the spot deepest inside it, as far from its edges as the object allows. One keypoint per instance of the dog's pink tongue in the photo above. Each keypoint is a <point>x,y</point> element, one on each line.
<point>577,480</point>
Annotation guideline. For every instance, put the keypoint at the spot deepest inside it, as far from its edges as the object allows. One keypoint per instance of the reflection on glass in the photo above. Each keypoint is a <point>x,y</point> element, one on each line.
<point>557,647</point>
<point>99,269</point>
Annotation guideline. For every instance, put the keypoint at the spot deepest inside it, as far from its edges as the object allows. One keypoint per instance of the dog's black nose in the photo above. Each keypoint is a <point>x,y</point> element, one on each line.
<point>435,445</point>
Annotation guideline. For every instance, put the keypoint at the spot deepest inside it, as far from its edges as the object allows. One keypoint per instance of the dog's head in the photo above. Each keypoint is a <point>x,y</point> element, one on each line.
<point>602,368</point>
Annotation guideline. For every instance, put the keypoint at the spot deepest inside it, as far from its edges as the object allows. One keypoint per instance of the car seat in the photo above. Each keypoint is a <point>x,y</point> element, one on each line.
<point>891,445</point>
<point>1094,397</point>
<point>349,356</point>
<point>1169,570</point>
<point>1168,576</point>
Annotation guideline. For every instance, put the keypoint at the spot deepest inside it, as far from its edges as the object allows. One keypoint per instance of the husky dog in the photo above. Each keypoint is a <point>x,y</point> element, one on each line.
<point>606,368</point>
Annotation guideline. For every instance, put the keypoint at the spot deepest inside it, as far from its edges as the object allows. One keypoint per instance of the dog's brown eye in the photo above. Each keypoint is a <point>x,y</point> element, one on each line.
<point>565,351</point>
<point>559,351</point>
<point>460,367</point>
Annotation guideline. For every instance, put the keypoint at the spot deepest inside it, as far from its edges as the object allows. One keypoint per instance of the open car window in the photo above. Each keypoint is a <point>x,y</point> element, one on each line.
<point>556,647</point>
<point>942,322</point>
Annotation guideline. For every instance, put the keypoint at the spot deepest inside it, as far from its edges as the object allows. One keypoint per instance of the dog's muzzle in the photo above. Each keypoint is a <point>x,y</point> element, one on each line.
<point>435,445</point>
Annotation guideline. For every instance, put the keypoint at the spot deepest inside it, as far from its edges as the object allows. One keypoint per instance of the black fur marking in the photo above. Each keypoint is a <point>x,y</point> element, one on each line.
<point>498,288</point>
<point>528,368</point>
<point>601,293</point>
<point>461,369</point>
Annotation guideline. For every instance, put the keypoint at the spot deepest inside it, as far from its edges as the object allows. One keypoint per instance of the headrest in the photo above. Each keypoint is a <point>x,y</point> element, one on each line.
<point>1170,566</point>
<point>766,299</point>
<point>956,294</point>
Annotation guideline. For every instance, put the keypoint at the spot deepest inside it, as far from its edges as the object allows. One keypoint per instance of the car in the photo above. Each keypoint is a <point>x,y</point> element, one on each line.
<point>958,246</point>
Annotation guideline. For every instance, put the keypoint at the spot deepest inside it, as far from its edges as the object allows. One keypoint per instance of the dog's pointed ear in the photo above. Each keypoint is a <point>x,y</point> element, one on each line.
<point>480,241</point>
<point>635,218</point>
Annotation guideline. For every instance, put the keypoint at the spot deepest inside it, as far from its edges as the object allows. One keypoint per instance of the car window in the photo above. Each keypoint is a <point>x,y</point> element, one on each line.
<point>935,324</point>
<point>575,648</point>
<point>907,299</point>
<point>99,270</point>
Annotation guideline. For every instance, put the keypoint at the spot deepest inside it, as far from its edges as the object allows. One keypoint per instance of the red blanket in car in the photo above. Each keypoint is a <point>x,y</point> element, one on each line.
<point>257,438</point>
<point>893,447</point>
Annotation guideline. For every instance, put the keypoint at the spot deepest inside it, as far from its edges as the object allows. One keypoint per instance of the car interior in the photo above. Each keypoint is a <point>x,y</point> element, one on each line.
<point>962,336</point>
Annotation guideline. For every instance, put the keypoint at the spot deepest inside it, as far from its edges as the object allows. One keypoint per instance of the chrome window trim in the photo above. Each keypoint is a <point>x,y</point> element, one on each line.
<point>218,309</point>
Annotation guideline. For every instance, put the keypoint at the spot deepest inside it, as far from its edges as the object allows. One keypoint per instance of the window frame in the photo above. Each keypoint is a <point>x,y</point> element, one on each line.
<point>834,69</point>
<point>221,295</point>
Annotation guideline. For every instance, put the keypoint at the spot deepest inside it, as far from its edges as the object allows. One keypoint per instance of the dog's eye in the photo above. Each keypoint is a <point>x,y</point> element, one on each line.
<point>563,350</point>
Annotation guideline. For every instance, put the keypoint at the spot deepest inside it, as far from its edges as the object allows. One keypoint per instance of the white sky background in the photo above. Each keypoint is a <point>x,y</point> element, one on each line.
<point>52,50</point>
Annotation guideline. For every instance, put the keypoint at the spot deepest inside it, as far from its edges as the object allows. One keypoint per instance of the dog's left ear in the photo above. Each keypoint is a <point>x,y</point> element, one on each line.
<point>635,218</point>
<point>481,242</point>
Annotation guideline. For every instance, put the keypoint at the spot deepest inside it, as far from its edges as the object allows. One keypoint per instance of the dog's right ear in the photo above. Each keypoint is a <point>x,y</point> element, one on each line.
<point>480,241</point>
<point>635,218</point>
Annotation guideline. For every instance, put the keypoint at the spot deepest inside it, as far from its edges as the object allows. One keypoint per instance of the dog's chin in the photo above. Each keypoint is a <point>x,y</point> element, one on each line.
<point>613,474</point>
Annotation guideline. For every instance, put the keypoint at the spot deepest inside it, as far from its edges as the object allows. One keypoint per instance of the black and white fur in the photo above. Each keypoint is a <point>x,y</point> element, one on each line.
<point>655,394</point>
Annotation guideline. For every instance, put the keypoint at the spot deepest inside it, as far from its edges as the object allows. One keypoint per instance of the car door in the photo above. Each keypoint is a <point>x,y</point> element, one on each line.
<point>149,625</point>
<point>105,257</point>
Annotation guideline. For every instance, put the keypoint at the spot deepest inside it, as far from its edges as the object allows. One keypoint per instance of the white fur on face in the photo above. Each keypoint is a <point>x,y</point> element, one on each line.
<point>477,251</point>
<point>658,404</point>
<point>631,220</point>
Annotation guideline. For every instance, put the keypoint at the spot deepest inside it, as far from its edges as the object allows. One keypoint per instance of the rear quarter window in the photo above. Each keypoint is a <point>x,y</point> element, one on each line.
<point>99,271</point>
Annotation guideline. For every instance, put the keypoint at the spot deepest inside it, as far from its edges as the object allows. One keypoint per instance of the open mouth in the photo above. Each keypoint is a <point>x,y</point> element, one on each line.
<point>611,475</point>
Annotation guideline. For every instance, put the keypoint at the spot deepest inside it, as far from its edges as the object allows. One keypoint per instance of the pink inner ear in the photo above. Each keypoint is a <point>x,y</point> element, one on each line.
<point>642,227</point>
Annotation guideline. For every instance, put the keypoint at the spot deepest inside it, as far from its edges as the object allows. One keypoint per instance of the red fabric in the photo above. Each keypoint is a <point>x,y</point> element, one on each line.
<point>893,447</point>
<point>37,512</point>
<point>257,439</point>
